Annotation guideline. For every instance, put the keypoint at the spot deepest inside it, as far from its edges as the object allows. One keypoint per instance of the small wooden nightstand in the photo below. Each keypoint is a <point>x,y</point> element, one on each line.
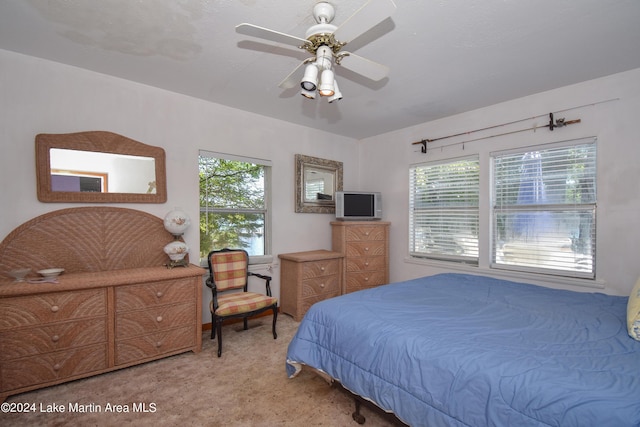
<point>308,277</point>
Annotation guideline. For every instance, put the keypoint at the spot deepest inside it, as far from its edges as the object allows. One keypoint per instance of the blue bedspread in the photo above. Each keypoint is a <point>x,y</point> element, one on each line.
<point>464,350</point>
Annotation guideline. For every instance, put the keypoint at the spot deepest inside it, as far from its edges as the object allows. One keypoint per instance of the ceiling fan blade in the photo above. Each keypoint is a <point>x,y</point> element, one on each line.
<point>358,64</point>
<point>290,81</point>
<point>275,36</point>
<point>368,16</point>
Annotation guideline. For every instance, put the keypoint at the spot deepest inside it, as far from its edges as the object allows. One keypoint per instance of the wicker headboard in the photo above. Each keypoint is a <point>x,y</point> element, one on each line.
<point>86,239</point>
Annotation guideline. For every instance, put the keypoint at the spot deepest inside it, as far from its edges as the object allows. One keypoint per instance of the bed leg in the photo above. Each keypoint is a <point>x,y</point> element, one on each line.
<point>357,416</point>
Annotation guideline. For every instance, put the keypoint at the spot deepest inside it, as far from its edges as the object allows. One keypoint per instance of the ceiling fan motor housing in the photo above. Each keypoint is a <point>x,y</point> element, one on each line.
<point>323,12</point>
<point>321,34</point>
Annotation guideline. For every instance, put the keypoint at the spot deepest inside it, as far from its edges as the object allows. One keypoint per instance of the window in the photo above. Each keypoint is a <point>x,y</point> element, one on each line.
<point>313,187</point>
<point>443,210</point>
<point>234,203</point>
<point>544,210</point>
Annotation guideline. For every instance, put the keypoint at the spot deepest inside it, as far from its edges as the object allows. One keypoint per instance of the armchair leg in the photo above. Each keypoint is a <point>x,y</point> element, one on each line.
<point>213,327</point>
<point>273,327</point>
<point>219,328</point>
<point>246,323</point>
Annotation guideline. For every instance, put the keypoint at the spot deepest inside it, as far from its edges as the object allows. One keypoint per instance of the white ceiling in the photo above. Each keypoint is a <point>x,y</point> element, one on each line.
<point>446,56</point>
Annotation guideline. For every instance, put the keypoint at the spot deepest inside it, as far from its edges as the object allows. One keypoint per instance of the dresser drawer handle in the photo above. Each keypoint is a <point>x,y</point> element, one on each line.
<point>322,285</point>
<point>159,344</point>
<point>159,294</point>
<point>56,367</point>
<point>159,319</point>
<point>322,268</point>
<point>366,249</point>
<point>366,279</point>
<point>55,338</point>
<point>366,264</point>
<point>55,308</point>
<point>366,233</point>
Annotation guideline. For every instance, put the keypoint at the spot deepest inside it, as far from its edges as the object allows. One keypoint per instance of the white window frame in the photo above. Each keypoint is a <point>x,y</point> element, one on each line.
<point>267,258</point>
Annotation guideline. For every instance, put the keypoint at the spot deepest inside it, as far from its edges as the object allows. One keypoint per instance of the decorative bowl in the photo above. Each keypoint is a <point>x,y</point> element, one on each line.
<point>50,272</point>
<point>19,274</point>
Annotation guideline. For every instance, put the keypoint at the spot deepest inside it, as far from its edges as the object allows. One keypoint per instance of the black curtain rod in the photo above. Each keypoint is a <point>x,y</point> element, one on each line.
<point>551,125</point>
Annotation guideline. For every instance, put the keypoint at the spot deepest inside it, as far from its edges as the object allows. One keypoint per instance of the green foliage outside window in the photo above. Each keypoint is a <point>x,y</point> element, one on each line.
<point>232,205</point>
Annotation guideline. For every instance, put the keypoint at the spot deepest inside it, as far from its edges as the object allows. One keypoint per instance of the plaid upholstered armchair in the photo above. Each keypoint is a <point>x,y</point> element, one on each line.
<point>229,272</point>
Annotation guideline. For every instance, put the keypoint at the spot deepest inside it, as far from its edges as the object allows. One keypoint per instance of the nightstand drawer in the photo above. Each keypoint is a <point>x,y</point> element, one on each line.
<point>321,286</point>
<point>320,268</point>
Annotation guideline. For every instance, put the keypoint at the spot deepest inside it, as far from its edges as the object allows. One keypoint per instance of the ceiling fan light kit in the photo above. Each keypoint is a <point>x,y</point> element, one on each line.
<point>337,95</point>
<point>310,94</point>
<point>310,78</point>
<point>322,42</point>
<point>326,83</point>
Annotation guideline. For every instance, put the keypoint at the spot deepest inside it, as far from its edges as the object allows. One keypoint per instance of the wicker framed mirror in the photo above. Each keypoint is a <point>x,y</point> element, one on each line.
<point>99,167</point>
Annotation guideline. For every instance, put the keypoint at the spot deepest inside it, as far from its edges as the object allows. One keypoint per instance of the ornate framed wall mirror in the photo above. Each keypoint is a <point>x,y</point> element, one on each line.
<point>317,181</point>
<point>99,167</point>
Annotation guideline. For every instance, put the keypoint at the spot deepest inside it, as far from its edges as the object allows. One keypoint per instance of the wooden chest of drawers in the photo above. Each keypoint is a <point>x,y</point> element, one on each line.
<point>91,323</point>
<point>308,277</point>
<point>365,245</point>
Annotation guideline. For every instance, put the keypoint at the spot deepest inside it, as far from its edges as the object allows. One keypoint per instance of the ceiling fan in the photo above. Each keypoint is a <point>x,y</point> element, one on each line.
<point>325,42</point>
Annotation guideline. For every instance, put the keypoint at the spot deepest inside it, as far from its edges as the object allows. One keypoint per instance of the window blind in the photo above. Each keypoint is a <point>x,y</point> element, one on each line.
<point>443,210</point>
<point>544,210</point>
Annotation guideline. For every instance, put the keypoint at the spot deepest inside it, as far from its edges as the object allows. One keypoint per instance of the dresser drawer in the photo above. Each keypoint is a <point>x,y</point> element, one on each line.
<point>52,337</point>
<point>364,233</point>
<point>155,344</point>
<point>134,323</point>
<point>51,307</point>
<point>53,367</point>
<point>373,248</point>
<point>365,279</point>
<point>320,268</point>
<point>366,263</point>
<point>321,286</point>
<point>157,293</point>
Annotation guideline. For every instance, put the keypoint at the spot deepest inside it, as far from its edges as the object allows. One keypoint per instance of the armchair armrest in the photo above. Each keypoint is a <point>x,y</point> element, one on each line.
<point>267,280</point>
<point>214,293</point>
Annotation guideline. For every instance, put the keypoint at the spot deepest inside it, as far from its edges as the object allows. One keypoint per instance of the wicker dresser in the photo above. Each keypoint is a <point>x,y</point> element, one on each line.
<point>104,312</point>
<point>365,245</point>
<point>308,277</point>
<point>87,324</point>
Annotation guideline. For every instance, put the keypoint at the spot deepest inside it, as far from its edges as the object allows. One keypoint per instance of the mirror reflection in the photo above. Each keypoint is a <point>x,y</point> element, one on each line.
<point>319,184</point>
<point>89,171</point>
<point>317,181</point>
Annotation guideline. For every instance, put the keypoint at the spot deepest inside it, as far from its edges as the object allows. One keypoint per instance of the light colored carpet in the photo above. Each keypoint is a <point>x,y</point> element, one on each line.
<point>247,386</point>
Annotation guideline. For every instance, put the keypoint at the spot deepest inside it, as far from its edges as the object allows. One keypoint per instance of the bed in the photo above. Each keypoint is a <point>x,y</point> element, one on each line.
<point>466,350</point>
